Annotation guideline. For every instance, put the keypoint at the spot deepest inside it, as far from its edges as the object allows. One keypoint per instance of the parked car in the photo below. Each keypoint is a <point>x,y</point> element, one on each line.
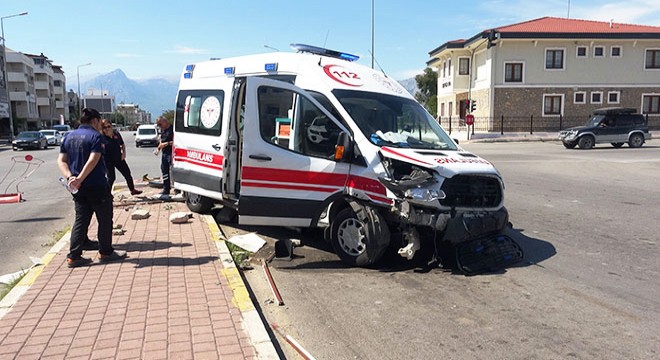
<point>54,137</point>
<point>616,126</point>
<point>147,135</point>
<point>30,140</point>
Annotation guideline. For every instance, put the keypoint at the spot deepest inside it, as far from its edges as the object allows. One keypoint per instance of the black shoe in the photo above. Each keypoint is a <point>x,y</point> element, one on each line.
<point>90,245</point>
<point>116,255</point>
<point>81,261</point>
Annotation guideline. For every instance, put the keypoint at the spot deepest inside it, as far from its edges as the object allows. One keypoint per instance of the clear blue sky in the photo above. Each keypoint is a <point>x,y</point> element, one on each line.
<point>149,38</point>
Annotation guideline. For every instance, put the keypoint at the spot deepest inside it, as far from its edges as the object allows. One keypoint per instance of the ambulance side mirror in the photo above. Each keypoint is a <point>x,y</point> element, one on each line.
<point>344,147</point>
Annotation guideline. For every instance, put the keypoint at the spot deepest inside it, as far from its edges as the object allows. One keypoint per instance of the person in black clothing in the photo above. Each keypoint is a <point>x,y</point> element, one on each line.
<point>165,147</point>
<point>80,161</point>
<point>115,157</point>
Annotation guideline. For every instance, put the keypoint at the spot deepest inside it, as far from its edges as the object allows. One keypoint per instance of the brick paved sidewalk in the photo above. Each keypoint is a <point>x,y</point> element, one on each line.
<point>170,299</point>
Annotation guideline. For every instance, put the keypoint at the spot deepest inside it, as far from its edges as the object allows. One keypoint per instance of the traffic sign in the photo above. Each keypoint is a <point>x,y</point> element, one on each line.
<point>469,119</point>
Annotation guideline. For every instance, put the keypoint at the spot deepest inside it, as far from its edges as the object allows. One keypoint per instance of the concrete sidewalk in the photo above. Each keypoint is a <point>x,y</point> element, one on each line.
<point>177,296</point>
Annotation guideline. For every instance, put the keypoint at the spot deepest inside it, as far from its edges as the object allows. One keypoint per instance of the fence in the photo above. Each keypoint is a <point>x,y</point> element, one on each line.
<point>530,124</point>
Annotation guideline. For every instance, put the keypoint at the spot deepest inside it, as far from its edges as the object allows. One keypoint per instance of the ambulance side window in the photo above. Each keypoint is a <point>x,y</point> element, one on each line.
<point>199,112</point>
<point>291,121</point>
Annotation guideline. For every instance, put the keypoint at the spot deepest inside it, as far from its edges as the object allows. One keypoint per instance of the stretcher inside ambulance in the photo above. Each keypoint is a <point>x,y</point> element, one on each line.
<point>314,139</point>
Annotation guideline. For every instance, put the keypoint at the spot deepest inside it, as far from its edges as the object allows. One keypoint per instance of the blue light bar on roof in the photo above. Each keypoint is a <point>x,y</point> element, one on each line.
<point>271,67</point>
<point>190,67</point>
<point>229,70</point>
<point>187,75</point>
<point>326,52</point>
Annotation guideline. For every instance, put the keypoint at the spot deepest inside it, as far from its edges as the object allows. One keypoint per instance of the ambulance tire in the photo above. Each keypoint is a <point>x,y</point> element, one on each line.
<point>360,242</point>
<point>198,203</point>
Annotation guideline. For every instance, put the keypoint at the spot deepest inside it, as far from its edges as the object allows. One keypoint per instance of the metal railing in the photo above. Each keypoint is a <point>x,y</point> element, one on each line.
<point>527,124</point>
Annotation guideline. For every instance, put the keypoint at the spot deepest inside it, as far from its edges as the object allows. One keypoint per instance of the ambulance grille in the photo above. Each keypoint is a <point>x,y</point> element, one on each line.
<point>471,191</point>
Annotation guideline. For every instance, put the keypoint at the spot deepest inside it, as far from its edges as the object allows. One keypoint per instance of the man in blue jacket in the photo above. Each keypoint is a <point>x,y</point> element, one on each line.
<point>80,161</point>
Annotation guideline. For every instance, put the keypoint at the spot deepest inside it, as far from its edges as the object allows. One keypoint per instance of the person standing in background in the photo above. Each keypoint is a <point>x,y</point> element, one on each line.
<point>115,157</point>
<point>80,162</point>
<point>165,147</point>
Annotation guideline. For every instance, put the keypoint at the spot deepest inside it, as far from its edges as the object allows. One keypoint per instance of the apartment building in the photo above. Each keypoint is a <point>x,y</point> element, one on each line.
<point>550,70</point>
<point>36,91</point>
<point>133,115</point>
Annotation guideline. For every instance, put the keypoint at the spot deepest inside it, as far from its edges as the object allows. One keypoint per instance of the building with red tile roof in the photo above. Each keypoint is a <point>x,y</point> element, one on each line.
<point>556,70</point>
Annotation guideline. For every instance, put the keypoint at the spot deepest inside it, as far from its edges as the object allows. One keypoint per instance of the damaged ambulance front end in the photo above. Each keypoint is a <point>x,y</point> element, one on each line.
<point>432,185</point>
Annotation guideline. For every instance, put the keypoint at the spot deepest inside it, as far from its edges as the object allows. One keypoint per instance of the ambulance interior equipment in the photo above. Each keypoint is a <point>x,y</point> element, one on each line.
<point>313,139</point>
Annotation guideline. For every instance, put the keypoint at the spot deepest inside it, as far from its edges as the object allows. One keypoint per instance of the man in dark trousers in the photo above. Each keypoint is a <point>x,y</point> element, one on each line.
<point>80,161</point>
<point>165,147</point>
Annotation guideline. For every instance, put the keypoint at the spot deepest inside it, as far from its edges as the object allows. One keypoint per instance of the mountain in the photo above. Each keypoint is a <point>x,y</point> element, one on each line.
<point>410,85</point>
<point>153,95</point>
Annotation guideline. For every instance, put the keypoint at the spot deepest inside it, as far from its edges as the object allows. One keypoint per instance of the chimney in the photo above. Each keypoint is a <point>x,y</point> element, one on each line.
<point>611,23</point>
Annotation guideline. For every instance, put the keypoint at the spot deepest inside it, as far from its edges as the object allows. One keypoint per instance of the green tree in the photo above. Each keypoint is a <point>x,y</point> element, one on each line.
<point>427,94</point>
<point>169,115</point>
<point>117,118</point>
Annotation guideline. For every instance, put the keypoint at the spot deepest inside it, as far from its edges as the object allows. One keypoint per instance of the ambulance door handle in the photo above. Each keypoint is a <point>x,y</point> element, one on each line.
<point>260,157</point>
<point>216,147</point>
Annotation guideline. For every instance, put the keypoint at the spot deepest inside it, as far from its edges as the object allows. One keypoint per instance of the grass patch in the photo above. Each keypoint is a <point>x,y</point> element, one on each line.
<point>241,256</point>
<point>57,236</point>
<point>6,288</point>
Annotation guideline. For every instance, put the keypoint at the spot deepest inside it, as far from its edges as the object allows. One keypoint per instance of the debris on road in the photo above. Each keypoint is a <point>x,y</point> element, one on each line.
<point>140,214</point>
<point>304,353</point>
<point>180,217</point>
<point>271,282</point>
<point>250,242</point>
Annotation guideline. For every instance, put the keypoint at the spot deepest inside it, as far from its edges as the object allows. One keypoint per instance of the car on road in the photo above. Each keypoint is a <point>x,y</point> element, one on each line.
<point>146,135</point>
<point>30,140</point>
<point>615,125</point>
<point>54,137</point>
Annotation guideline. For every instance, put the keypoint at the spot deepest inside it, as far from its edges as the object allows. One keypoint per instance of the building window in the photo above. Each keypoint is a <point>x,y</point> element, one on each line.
<point>552,104</point>
<point>451,108</point>
<point>444,69</point>
<point>652,59</point>
<point>597,97</point>
<point>464,66</point>
<point>554,59</point>
<point>449,67</point>
<point>599,51</point>
<point>513,72</point>
<point>581,51</point>
<point>651,104</point>
<point>613,97</point>
<point>580,97</point>
<point>442,109</point>
<point>615,51</point>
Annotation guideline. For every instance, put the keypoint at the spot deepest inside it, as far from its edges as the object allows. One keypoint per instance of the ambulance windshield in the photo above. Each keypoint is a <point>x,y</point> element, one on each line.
<point>388,120</point>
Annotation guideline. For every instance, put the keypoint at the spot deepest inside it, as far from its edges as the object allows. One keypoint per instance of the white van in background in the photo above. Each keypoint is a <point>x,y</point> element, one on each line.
<point>313,139</point>
<point>147,135</point>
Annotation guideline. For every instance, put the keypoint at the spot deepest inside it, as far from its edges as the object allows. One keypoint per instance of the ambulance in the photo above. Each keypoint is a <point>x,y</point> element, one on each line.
<point>311,138</point>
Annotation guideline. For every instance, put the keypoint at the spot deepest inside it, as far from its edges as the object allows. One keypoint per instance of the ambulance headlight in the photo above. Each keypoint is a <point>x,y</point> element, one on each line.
<point>423,194</point>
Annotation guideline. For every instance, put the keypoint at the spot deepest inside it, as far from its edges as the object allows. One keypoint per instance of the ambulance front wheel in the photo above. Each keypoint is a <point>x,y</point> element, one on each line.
<point>360,239</point>
<point>198,203</point>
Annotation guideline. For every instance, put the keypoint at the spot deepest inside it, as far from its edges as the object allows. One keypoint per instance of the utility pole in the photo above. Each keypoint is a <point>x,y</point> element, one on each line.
<point>372,34</point>
<point>78,73</point>
<point>4,70</point>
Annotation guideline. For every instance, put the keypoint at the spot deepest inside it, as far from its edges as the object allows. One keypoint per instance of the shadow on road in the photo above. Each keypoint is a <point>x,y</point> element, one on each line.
<point>317,254</point>
<point>39,219</point>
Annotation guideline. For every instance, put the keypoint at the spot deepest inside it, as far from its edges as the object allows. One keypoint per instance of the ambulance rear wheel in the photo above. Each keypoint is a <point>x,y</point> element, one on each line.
<point>360,240</point>
<point>198,203</point>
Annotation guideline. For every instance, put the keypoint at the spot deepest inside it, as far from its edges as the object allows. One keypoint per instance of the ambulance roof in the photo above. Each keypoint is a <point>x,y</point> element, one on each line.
<point>313,71</point>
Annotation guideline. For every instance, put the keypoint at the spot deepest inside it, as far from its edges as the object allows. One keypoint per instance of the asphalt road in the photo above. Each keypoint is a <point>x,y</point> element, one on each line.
<point>27,228</point>
<point>588,288</point>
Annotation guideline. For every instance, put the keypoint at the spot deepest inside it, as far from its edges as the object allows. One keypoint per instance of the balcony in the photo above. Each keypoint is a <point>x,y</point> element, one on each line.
<point>18,96</point>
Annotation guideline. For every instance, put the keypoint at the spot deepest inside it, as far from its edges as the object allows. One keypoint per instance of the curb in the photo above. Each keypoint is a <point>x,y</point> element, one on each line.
<point>31,276</point>
<point>255,328</point>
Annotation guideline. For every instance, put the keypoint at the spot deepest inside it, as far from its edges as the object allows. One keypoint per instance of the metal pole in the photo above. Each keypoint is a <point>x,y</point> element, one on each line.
<point>78,73</point>
<point>372,34</point>
<point>4,68</point>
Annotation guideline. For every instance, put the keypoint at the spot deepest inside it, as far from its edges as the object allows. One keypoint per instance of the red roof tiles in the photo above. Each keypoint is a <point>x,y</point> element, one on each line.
<point>562,25</point>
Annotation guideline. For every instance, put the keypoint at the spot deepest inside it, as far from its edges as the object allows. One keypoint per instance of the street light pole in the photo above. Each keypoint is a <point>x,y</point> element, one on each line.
<point>4,70</point>
<point>78,73</point>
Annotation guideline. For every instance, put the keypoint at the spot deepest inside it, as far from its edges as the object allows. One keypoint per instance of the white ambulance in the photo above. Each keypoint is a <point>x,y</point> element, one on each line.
<point>313,139</point>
